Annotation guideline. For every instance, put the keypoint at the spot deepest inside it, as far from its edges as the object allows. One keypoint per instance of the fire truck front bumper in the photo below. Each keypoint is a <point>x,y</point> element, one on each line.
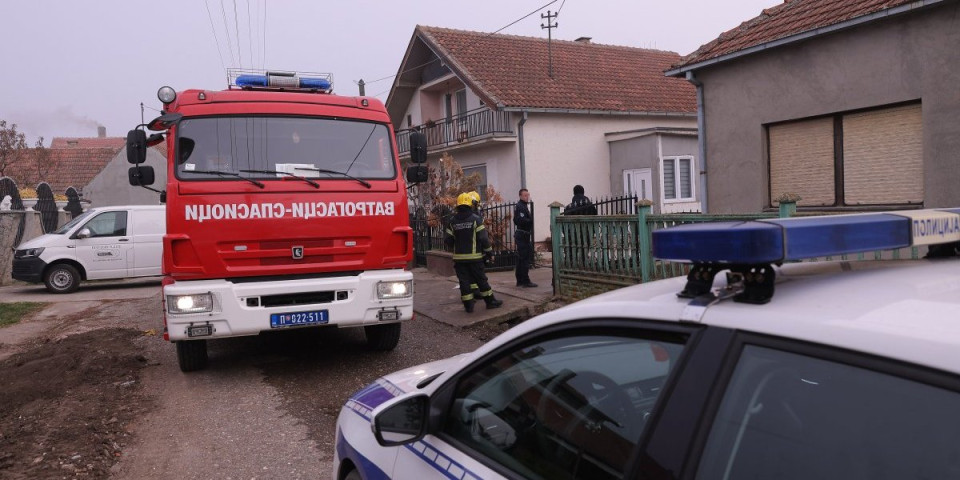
<point>220,308</point>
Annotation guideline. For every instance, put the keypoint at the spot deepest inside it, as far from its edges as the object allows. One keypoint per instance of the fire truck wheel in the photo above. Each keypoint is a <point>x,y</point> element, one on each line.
<point>192,355</point>
<point>61,278</point>
<point>383,337</point>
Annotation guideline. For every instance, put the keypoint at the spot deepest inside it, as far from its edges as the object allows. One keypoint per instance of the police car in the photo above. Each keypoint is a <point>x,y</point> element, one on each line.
<point>755,366</point>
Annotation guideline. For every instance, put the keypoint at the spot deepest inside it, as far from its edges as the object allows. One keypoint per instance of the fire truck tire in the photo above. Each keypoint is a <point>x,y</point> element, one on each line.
<point>192,355</point>
<point>382,337</point>
<point>61,278</point>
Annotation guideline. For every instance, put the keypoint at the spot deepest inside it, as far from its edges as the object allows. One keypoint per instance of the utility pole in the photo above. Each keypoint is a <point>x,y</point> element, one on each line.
<point>551,24</point>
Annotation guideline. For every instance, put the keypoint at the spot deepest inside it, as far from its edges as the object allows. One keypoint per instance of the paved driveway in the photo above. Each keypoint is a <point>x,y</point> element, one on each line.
<point>88,291</point>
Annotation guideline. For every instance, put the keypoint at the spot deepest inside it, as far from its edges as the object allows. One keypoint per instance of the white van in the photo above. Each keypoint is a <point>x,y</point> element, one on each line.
<point>102,243</point>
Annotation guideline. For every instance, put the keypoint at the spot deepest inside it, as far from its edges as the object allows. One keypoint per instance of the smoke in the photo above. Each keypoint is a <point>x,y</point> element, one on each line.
<point>59,122</point>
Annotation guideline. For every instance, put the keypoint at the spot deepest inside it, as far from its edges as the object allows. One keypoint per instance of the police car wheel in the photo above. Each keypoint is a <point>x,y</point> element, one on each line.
<point>61,278</point>
<point>192,355</point>
<point>383,337</point>
<point>353,475</point>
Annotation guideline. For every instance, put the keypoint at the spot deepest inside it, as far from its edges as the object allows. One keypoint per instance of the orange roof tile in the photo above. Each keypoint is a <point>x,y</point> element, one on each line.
<point>512,71</point>
<point>784,20</point>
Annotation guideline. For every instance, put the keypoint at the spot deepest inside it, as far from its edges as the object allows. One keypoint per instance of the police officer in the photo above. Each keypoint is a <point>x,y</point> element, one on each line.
<point>523,221</point>
<point>468,237</point>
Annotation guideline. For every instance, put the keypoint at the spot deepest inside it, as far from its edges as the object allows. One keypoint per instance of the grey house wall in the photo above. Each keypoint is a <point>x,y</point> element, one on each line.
<point>643,152</point>
<point>112,187</point>
<point>907,58</point>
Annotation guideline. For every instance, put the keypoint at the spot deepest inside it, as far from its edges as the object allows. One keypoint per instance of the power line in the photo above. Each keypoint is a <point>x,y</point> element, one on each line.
<point>236,25</point>
<point>564,2</point>
<point>226,29</point>
<point>487,35</point>
<point>250,36</point>
<point>215,39</point>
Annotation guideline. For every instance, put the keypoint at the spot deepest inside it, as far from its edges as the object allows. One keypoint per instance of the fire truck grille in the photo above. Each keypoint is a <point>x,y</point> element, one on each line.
<point>304,298</point>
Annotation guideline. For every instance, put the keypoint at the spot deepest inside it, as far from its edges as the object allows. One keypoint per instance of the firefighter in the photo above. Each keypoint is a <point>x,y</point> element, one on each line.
<point>471,247</point>
<point>475,197</point>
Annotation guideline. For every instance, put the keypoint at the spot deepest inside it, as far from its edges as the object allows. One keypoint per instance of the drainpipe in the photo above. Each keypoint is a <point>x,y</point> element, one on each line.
<point>523,161</point>
<point>702,140</point>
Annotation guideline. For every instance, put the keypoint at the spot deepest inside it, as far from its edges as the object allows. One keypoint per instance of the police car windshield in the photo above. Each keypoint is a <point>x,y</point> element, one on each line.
<point>270,148</point>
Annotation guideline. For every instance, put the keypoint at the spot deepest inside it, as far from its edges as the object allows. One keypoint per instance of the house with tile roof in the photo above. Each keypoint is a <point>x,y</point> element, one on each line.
<point>491,102</point>
<point>95,166</point>
<point>850,104</point>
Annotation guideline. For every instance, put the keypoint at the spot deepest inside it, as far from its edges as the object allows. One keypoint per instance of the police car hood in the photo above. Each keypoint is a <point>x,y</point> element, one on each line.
<point>408,378</point>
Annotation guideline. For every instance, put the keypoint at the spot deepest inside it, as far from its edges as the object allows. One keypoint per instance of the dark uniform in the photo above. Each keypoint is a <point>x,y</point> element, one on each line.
<point>523,221</point>
<point>468,237</point>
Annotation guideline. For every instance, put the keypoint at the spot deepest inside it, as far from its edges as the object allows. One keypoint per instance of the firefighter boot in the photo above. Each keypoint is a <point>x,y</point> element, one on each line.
<point>492,302</point>
<point>468,305</point>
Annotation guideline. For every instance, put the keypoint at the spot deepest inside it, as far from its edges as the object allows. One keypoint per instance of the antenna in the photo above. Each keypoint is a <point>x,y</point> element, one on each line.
<point>551,24</point>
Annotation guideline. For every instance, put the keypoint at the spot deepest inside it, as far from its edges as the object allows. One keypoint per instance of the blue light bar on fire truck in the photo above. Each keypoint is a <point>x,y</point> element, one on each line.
<point>750,247</point>
<point>288,81</point>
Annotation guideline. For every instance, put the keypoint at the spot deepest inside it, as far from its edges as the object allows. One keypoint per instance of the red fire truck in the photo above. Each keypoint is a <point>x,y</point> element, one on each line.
<point>285,208</point>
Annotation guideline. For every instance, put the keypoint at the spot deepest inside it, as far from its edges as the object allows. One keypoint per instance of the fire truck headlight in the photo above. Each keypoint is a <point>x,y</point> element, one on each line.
<point>167,94</point>
<point>199,303</point>
<point>392,290</point>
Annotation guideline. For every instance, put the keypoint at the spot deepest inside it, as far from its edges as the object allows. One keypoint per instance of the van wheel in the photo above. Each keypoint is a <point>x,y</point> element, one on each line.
<point>61,278</point>
<point>192,355</point>
<point>383,337</point>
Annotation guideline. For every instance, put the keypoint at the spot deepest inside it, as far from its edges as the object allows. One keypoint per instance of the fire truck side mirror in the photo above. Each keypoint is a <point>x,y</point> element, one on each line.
<point>418,147</point>
<point>141,175</point>
<point>136,146</point>
<point>417,174</point>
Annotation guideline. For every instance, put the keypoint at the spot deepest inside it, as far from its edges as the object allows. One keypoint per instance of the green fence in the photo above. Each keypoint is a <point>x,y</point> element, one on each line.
<point>594,254</point>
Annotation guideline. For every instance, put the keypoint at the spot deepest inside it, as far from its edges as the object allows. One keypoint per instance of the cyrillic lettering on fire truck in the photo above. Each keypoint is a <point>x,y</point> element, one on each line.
<point>304,210</point>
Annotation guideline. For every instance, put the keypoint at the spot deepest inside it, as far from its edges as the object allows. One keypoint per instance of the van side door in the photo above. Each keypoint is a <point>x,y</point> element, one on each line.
<point>148,229</point>
<point>107,252</point>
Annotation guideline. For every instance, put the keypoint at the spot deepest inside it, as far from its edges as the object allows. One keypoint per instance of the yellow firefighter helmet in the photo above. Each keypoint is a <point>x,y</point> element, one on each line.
<point>465,199</point>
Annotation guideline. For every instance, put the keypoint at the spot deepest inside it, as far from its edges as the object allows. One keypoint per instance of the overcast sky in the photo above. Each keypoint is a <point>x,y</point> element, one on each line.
<point>71,65</point>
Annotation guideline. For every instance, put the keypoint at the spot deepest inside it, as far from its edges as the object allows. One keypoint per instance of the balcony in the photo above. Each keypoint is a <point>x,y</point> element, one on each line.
<point>473,126</point>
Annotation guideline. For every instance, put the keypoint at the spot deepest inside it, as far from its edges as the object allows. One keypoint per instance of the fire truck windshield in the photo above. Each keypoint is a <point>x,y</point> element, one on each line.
<point>267,147</point>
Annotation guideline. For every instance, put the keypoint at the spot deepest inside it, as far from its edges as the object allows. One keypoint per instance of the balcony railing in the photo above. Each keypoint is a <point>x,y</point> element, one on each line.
<point>460,129</point>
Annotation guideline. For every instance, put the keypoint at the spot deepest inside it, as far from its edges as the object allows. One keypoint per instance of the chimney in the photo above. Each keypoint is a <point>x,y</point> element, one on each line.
<point>101,131</point>
<point>584,40</point>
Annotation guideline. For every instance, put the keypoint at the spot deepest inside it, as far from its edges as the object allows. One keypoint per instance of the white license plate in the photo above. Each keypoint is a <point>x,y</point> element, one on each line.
<point>389,315</point>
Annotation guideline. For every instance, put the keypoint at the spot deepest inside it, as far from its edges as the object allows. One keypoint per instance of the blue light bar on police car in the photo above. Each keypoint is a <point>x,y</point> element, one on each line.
<point>777,240</point>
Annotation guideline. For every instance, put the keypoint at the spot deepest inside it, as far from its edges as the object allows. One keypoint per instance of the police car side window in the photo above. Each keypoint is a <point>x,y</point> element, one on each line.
<point>563,408</point>
<point>790,416</point>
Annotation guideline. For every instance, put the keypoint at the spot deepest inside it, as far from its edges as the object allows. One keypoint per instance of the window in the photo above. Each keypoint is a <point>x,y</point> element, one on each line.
<point>108,224</point>
<point>789,416</point>
<point>563,408</point>
<point>295,145</point>
<point>481,172</point>
<point>677,178</point>
<point>872,157</point>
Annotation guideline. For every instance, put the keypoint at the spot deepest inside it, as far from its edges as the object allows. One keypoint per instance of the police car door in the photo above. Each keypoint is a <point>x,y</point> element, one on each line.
<point>569,405</point>
<point>103,246</point>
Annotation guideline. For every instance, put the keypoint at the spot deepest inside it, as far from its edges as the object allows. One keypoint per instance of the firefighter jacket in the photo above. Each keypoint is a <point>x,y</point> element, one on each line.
<point>468,236</point>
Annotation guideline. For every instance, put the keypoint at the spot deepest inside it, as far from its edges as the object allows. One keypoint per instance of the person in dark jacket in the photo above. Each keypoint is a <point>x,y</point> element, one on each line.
<point>468,237</point>
<point>523,223</point>
<point>580,204</point>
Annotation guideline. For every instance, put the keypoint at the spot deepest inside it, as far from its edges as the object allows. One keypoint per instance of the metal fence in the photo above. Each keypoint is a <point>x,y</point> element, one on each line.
<point>428,232</point>
<point>615,250</point>
<point>459,129</point>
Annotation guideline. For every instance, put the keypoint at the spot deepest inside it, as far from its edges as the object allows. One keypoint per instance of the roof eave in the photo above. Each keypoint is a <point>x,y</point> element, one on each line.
<point>905,8</point>
<point>578,111</point>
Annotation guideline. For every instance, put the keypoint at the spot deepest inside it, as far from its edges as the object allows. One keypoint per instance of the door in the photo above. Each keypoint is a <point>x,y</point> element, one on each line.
<point>148,227</point>
<point>107,252</point>
<point>566,405</point>
<point>638,182</point>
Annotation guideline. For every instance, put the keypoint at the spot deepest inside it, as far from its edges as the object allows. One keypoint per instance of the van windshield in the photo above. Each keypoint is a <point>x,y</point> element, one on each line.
<point>267,148</point>
<point>67,226</point>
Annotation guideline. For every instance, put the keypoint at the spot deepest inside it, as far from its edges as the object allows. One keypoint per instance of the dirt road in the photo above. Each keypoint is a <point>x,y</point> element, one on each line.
<point>92,392</point>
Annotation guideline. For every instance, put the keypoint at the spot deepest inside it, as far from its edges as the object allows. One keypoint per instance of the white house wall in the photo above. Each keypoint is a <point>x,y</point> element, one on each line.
<point>563,150</point>
<point>112,187</point>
